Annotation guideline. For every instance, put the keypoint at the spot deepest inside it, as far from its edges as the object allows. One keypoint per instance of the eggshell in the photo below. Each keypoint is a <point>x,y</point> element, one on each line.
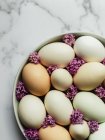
<point>56,53</point>
<point>54,133</point>
<point>89,48</point>
<point>36,79</point>
<point>100,134</point>
<point>61,79</point>
<point>79,131</point>
<point>89,76</point>
<point>31,111</point>
<point>58,106</point>
<point>90,105</point>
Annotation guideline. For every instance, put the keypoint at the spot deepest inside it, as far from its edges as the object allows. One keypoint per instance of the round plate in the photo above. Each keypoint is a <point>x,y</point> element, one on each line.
<point>56,38</point>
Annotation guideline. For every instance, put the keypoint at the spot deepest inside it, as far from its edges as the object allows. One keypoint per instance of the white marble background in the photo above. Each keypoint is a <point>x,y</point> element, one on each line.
<point>26,23</point>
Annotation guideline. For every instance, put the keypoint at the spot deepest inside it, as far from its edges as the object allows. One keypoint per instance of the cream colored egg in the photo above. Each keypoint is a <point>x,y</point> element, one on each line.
<point>90,105</point>
<point>31,111</point>
<point>61,79</point>
<point>36,79</point>
<point>98,135</point>
<point>58,106</point>
<point>89,48</point>
<point>54,133</point>
<point>56,53</point>
<point>89,76</point>
<point>79,131</point>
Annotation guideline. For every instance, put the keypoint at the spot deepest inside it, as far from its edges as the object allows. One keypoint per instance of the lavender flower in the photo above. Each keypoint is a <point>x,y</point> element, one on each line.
<point>31,134</point>
<point>49,121</point>
<point>34,58</point>
<point>74,65</point>
<point>93,125</point>
<point>69,39</point>
<point>51,68</point>
<point>21,91</point>
<point>76,117</point>
<point>71,92</point>
<point>100,92</point>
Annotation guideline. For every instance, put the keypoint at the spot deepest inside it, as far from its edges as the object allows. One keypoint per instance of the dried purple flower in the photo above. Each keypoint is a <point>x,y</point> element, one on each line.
<point>93,125</point>
<point>51,68</point>
<point>100,92</point>
<point>103,61</point>
<point>31,134</point>
<point>74,65</point>
<point>21,91</point>
<point>49,121</point>
<point>34,58</point>
<point>76,117</point>
<point>69,39</point>
<point>71,92</point>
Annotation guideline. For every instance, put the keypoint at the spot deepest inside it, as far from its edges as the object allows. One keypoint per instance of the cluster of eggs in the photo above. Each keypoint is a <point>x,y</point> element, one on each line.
<point>48,76</point>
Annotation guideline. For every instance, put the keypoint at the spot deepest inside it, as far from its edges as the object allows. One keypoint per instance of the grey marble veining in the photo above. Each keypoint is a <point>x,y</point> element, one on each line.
<point>26,23</point>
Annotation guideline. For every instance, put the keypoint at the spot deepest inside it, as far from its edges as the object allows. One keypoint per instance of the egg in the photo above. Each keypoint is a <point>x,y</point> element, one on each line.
<point>36,79</point>
<point>79,131</point>
<point>61,79</point>
<point>90,105</point>
<point>58,106</point>
<point>89,76</point>
<point>54,133</point>
<point>89,48</point>
<point>56,53</point>
<point>31,111</point>
<point>98,135</point>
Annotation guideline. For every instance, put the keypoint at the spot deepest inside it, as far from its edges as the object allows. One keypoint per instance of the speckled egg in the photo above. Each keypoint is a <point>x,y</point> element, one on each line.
<point>36,79</point>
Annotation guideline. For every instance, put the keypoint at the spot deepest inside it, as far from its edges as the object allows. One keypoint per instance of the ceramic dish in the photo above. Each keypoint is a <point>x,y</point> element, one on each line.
<point>54,39</point>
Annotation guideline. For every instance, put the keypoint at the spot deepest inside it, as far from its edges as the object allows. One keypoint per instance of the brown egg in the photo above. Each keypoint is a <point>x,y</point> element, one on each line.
<point>36,79</point>
<point>54,133</point>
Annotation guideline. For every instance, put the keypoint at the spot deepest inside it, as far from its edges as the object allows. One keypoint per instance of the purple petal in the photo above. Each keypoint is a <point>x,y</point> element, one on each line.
<point>51,68</point>
<point>49,121</point>
<point>21,91</point>
<point>93,125</point>
<point>71,92</point>
<point>31,134</point>
<point>74,65</point>
<point>76,117</point>
<point>69,39</point>
<point>34,58</point>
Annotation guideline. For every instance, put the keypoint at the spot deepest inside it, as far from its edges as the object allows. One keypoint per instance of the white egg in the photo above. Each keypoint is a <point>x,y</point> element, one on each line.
<point>58,106</point>
<point>90,105</point>
<point>98,135</point>
<point>89,76</point>
<point>61,79</point>
<point>79,131</point>
<point>31,111</point>
<point>56,53</point>
<point>89,48</point>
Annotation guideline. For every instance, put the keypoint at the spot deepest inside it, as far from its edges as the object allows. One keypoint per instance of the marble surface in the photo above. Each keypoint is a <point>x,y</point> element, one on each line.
<point>26,23</point>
